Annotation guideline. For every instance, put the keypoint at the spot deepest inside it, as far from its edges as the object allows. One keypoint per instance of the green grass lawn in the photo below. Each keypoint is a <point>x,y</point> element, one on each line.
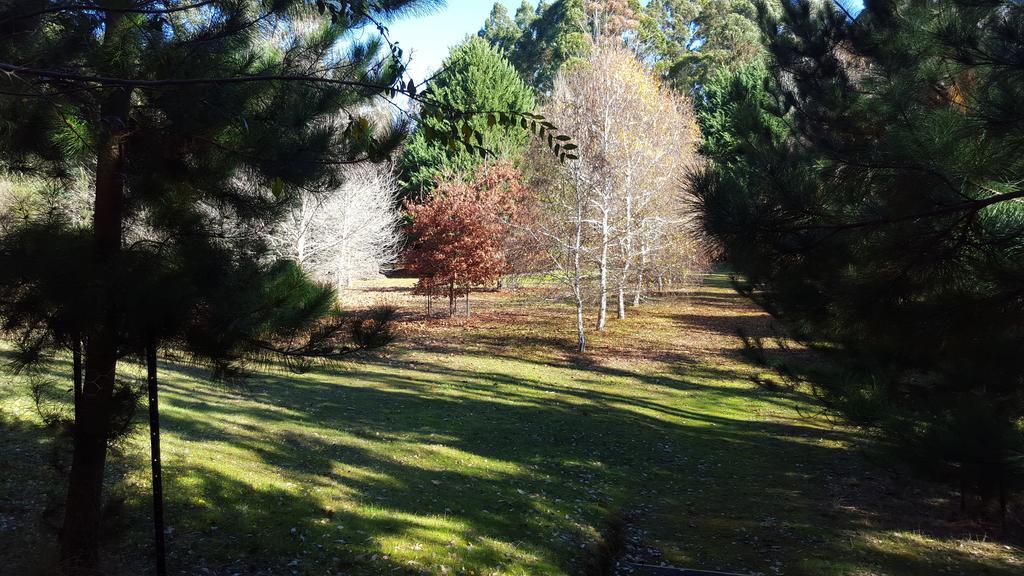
<point>485,446</point>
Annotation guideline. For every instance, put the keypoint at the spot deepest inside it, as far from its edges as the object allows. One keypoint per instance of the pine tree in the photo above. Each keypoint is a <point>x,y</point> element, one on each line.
<point>196,119</point>
<point>886,223</point>
<point>477,81</point>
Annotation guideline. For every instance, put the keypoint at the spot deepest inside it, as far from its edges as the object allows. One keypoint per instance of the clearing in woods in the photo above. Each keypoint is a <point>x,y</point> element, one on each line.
<point>486,446</point>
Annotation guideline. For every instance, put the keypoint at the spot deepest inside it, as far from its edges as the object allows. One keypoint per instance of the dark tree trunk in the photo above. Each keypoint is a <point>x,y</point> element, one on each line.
<point>83,509</point>
<point>467,302</point>
<point>76,371</point>
<point>451,300</point>
<point>82,512</point>
<point>154,444</point>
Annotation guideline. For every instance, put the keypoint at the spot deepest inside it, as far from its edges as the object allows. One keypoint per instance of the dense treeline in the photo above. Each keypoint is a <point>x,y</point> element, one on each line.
<point>866,184</point>
<point>204,176</point>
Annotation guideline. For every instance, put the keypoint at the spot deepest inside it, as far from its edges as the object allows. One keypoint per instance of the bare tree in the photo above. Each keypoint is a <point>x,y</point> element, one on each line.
<point>612,218</point>
<point>585,102</point>
<point>635,139</point>
<point>349,234</point>
<point>651,161</point>
<point>562,227</point>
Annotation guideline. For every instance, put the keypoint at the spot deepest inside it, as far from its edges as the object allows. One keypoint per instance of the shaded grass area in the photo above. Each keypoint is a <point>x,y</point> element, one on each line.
<point>485,446</point>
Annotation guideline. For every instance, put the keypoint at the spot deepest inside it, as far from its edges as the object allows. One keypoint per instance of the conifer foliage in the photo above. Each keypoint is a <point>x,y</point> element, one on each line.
<point>869,191</point>
<point>540,40</point>
<point>199,121</point>
<point>479,82</point>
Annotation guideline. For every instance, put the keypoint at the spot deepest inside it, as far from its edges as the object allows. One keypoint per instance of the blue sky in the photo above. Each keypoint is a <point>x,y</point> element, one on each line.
<point>428,38</point>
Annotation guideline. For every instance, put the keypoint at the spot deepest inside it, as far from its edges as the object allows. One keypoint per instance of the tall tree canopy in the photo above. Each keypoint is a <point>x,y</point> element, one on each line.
<point>475,80</point>
<point>500,30</point>
<point>887,222</point>
<point>546,38</point>
<point>636,138</point>
<point>687,40</point>
<point>196,119</point>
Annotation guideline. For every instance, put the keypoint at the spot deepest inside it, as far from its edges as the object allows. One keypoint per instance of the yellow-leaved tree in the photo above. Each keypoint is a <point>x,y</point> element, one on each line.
<point>616,207</point>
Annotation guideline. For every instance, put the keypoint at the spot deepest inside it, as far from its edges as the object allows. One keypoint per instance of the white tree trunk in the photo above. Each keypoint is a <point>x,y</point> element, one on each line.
<point>626,245</point>
<point>577,280</point>
<point>602,312</point>
<point>640,276</point>
<point>581,336</point>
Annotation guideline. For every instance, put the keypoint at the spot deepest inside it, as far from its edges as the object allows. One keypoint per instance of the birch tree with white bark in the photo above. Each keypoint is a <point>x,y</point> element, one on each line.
<point>635,138</point>
<point>351,233</point>
<point>658,147</point>
<point>614,214</point>
<point>586,102</point>
<point>563,226</point>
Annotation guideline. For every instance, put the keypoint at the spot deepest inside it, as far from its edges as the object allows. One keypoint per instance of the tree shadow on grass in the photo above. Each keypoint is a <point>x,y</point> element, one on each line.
<point>505,471</point>
<point>555,451</point>
<point>28,520</point>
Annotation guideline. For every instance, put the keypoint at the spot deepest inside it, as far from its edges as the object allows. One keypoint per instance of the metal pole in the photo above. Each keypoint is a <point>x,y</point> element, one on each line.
<point>154,443</point>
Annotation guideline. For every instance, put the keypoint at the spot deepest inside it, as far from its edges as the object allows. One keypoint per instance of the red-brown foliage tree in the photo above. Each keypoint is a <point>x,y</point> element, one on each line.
<point>462,236</point>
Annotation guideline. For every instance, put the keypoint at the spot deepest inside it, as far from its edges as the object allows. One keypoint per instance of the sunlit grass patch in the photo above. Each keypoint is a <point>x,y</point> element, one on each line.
<point>487,447</point>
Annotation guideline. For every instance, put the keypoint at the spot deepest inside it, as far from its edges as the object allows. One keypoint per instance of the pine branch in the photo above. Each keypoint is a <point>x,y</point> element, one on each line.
<point>14,70</point>
<point>92,8</point>
<point>972,206</point>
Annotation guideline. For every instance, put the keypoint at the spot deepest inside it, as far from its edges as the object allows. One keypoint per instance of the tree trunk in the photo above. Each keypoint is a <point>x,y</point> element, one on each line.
<point>580,334</point>
<point>83,509</point>
<point>602,311</point>
<point>963,491</point>
<point>638,295</point>
<point>451,300</point>
<point>76,371</point>
<point>577,274</point>
<point>1002,504</point>
<point>467,302</point>
<point>627,249</point>
<point>154,446</point>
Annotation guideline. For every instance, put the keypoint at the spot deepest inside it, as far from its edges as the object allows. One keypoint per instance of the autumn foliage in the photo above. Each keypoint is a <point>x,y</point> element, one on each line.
<point>463,235</point>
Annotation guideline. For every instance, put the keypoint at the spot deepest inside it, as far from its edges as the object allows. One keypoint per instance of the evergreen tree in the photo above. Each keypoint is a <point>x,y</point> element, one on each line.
<point>737,110</point>
<point>687,40</point>
<point>500,31</point>
<point>886,223</point>
<point>548,37</point>
<point>197,120</point>
<point>525,14</point>
<point>476,80</point>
